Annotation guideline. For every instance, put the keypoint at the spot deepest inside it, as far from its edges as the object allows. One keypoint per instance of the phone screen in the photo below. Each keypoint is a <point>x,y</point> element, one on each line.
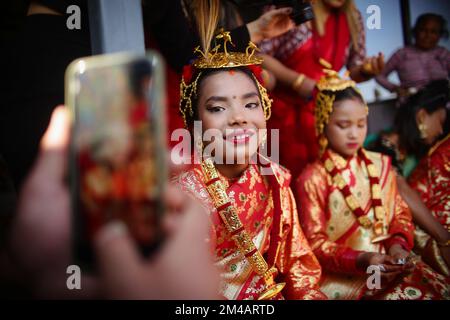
<point>118,147</point>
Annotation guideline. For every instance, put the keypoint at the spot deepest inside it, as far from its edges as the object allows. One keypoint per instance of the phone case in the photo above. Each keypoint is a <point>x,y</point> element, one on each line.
<point>118,165</point>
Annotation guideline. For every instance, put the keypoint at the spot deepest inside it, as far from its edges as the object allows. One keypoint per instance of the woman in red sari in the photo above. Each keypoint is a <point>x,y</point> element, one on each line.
<point>419,124</point>
<point>337,36</point>
<point>258,243</point>
<point>432,180</point>
<point>352,213</point>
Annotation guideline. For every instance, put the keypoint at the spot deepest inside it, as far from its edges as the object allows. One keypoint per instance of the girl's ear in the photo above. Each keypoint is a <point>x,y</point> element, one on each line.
<point>420,116</point>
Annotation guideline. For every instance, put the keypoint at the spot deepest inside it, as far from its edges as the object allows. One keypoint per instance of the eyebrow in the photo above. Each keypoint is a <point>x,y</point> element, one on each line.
<point>349,121</point>
<point>224,99</point>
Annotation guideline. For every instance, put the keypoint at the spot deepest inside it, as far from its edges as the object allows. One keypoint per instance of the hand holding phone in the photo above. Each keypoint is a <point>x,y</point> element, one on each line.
<point>117,159</point>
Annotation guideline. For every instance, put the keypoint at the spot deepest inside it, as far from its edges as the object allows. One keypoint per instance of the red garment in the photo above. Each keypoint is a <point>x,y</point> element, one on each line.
<point>293,115</point>
<point>267,209</point>
<point>431,179</point>
<point>337,238</point>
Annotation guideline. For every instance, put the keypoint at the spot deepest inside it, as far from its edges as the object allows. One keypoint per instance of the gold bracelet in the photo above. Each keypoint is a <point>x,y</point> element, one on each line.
<point>298,82</point>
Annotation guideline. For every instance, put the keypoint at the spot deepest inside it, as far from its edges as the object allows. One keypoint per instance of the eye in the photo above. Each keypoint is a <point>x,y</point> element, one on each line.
<point>343,125</point>
<point>361,125</point>
<point>214,109</point>
<point>252,105</point>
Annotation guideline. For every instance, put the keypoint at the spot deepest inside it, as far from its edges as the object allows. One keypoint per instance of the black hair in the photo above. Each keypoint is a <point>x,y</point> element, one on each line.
<point>349,93</point>
<point>423,18</point>
<point>205,73</point>
<point>431,98</point>
<point>138,71</point>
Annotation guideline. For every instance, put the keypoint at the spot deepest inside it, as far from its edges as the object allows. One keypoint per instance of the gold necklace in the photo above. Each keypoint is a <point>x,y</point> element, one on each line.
<point>350,199</point>
<point>236,229</point>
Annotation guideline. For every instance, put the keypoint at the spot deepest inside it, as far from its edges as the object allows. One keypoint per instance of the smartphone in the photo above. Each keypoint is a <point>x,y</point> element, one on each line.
<point>118,166</point>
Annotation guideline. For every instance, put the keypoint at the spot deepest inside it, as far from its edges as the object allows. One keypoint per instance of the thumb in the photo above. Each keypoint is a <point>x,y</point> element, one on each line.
<point>52,158</point>
<point>281,11</point>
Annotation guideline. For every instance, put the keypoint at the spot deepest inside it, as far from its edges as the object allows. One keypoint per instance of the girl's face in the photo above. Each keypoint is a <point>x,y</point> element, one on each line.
<point>334,4</point>
<point>428,35</point>
<point>433,123</point>
<point>347,127</point>
<point>229,102</point>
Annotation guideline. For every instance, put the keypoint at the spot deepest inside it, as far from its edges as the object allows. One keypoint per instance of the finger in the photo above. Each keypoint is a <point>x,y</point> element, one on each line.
<point>175,201</point>
<point>52,158</point>
<point>188,247</point>
<point>117,258</point>
<point>390,260</point>
<point>393,268</point>
<point>377,66</point>
<point>282,11</point>
<point>379,60</point>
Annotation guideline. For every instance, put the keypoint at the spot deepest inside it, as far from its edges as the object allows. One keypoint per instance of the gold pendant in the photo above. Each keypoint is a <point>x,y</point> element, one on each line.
<point>272,291</point>
<point>379,213</point>
<point>365,221</point>
<point>378,228</point>
<point>372,170</point>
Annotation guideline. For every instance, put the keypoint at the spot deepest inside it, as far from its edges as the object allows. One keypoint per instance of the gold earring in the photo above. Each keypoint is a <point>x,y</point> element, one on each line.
<point>323,143</point>
<point>423,130</point>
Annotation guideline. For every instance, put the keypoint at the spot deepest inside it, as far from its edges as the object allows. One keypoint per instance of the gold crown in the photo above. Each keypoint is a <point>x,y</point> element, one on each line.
<point>329,82</point>
<point>218,60</point>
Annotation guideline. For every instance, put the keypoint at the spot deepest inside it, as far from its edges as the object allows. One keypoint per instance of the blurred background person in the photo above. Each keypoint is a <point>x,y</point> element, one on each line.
<point>336,36</point>
<point>352,212</point>
<point>420,133</point>
<point>422,62</point>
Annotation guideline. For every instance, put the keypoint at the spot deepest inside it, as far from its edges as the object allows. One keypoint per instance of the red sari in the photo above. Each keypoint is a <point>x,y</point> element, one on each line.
<point>337,238</point>
<point>431,179</point>
<point>267,209</point>
<point>294,116</point>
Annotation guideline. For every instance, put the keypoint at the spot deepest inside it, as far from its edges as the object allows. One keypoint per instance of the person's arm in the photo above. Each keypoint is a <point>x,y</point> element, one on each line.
<point>312,197</point>
<point>421,214</point>
<point>391,65</point>
<point>363,68</point>
<point>271,24</point>
<point>289,77</point>
<point>401,227</point>
<point>335,257</point>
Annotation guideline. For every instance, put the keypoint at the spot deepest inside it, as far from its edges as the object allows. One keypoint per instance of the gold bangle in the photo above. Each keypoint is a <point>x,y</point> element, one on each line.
<point>298,82</point>
<point>444,244</point>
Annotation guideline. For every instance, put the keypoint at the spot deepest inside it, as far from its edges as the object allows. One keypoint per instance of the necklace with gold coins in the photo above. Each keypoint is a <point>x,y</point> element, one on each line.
<point>236,229</point>
<point>379,226</point>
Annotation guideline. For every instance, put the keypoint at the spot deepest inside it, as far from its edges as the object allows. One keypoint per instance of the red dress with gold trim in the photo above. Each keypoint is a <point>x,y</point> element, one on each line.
<point>431,179</point>
<point>261,201</point>
<point>337,238</point>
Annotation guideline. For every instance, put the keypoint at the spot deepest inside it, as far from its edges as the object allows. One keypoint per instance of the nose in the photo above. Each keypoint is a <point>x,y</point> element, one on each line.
<point>352,132</point>
<point>237,117</point>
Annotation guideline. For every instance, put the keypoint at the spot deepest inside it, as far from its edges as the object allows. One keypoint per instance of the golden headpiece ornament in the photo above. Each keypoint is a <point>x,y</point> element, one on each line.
<point>215,59</point>
<point>327,86</point>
